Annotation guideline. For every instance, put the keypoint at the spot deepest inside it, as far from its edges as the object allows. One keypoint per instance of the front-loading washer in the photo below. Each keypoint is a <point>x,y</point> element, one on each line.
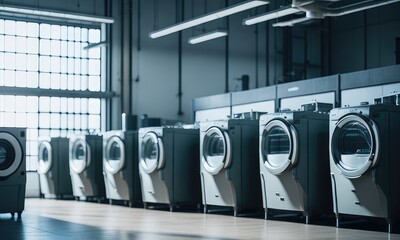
<point>12,170</point>
<point>86,167</point>
<point>169,166</point>
<point>229,166</point>
<point>53,168</point>
<point>120,167</point>
<point>364,161</point>
<point>294,162</point>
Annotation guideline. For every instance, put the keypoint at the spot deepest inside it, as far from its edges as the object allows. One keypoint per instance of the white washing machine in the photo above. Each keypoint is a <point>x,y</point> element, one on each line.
<point>12,170</point>
<point>229,165</point>
<point>169,166</point>
<point>294,162</point>
<point>120,167</point>
<point>86,167</point>
<point>53,168</point>
<point>364,161</point>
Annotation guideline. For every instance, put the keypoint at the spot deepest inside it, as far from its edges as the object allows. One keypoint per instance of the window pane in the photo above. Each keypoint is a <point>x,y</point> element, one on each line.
<point>1,42</point>
<point>94,83</point>
<point>55,64</point>
<point>9,59</point>
<point>9,27</point>
<point>32,63</point>
<point>77,105</point>
<point>44,120</point>
<point>32,79</point>
<point>9,78</point>
<point>20,44</point>
<point>63,105</point>
<point>33,120</point>
<point>71,104</point>
<point>20,119</point>
<point>55,81</point>
<point>32,45</point>
<point>44,63</point>
<point>20,79</point>
<point>32,30</point>
<point>55,32</point>
<point>77,121</point>
<point>32,104</point>
<point>20,62</point>
<point>55,48</point>
<point>84,121</point>
<point>63,82</point>
<point>55,104</point>
<point>44,104</point>
<point>44,30</point>
<point>55,120</point>
<point>78,49</point>
<point>44,80</point>
<point>9,103</point>
<point>9,119</point>
<point>1,77</point>
<point>45,47</point>
<point>64,48</point>
<point>71,33</point>
<point>64,121</point>
<point>21,28</point>
<point>94,106</point>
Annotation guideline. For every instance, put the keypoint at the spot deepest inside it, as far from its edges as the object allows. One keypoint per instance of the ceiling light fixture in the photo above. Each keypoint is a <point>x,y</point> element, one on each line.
<point>207,18</point>
<point>270,15</point>
<point>208,36</point>
<point>30,12</point>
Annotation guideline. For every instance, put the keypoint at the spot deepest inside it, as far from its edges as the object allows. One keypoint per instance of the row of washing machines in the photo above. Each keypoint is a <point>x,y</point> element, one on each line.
<point>310,162</point>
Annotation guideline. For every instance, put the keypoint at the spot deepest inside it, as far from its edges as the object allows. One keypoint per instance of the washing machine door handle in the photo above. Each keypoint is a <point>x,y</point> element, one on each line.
<point>15,157</point>
<point>365,128</point>
<point>278,162</point>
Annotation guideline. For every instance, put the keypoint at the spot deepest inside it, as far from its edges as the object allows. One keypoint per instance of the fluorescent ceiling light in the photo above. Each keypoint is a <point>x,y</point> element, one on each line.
<point>53,14</point>
<point>208,36</point>
<point>207,18</point>
<point>291,22</point>
<point>270,15</point>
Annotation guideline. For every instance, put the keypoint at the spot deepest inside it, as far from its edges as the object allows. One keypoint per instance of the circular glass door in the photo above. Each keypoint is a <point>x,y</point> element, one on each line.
<point>10,154</point>
<point>216,150</point>
<point>279,146</point>
<point>355,145</point>
<point>152,153</point>
<point>45,157</point>
<point>80,156</point>
<point>114,159</point>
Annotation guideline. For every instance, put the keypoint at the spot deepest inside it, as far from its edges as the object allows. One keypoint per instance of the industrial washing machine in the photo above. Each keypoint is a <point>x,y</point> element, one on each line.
<point>364,161</point>
<point>294,161</point>
<point>12,170</point>
<point>120,167</point>
<point>229,166</point>
<point>169,166</point>
<point>53,168</point>
<point>86,167</point>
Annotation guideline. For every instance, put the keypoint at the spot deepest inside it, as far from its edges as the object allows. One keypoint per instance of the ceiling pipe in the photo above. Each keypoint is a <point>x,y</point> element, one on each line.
<point>316,11</point>
<point>327,12</point>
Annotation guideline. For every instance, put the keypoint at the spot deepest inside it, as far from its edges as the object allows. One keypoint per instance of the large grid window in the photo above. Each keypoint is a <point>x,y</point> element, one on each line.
<point>49,56</point>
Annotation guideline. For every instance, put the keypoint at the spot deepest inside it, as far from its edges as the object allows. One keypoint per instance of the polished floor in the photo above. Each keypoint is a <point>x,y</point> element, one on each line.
<point>58,219</point>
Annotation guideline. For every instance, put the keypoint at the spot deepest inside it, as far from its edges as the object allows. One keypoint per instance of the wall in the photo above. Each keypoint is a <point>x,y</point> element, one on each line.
<point>364,40</point>
<point>205,69</point>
